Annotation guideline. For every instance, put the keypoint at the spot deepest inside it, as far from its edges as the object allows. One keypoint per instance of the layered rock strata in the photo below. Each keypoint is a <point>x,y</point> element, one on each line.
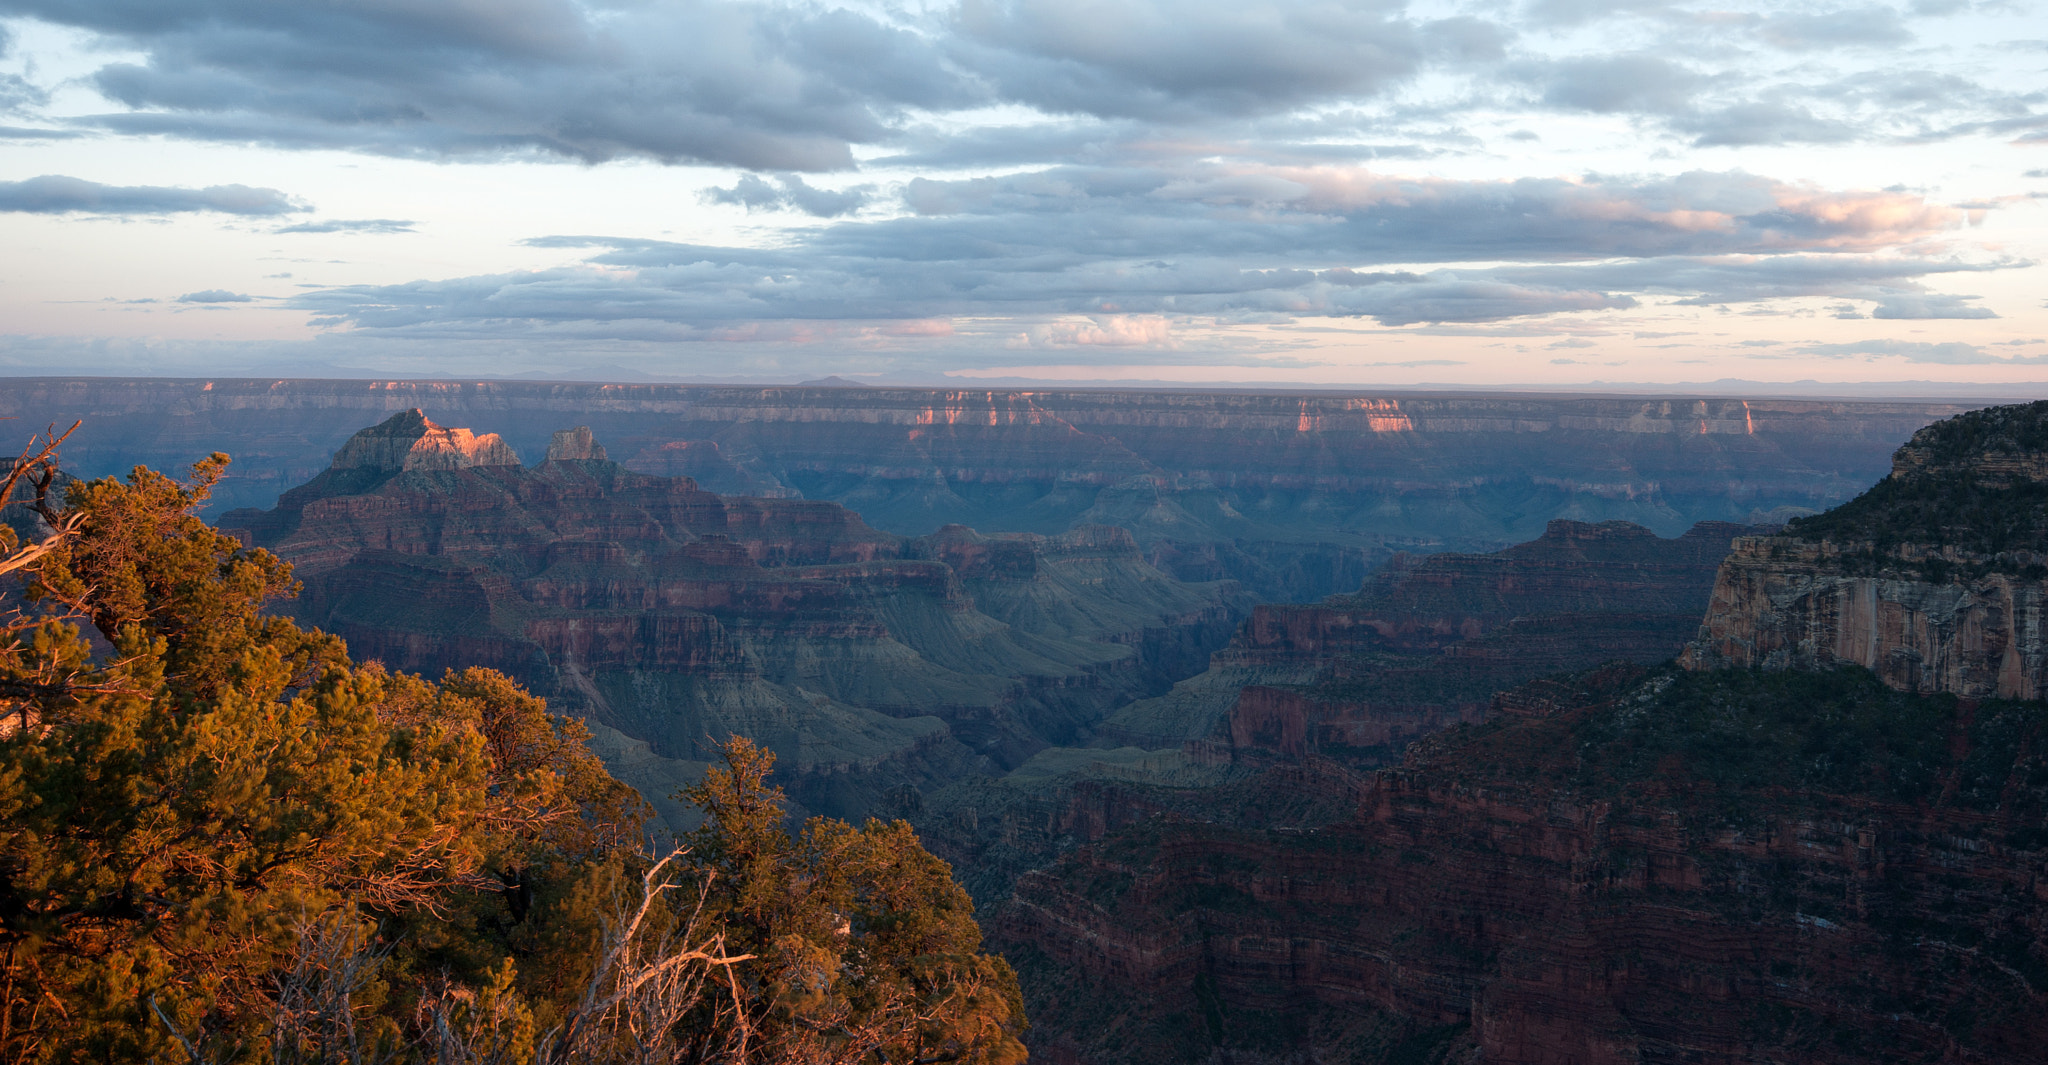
<point>1672,867</point>
<point>1935,579</point>
<point>1713,865</point>
<point>1296,496</point>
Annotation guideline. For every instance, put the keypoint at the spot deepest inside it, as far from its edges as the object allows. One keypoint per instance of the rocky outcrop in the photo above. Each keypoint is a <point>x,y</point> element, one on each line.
<point>1294,496</point>
<point>1789,603</point>
<point>576,445</point>
<point>1935,579</point>
<point>408,441</point>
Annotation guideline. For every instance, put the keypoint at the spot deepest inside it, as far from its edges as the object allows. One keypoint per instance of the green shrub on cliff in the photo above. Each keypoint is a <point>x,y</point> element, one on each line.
<point>221,840</point>
<point>1945,497</point>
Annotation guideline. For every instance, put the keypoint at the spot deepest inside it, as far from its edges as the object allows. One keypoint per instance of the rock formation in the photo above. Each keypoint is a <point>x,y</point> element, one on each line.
<point>408,441</point>
<point>576,445</point>
<point>673,617</point>
<point>1934,579</point>
<point>1346,684</point>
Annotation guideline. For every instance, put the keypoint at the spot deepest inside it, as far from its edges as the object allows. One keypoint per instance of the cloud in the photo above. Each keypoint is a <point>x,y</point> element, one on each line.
<point>1178,59</point>
<point>785,86</point>
<point>1929,305</point>
<point>1072,243</point>
<point>37,133</point>
<point>760,86</point>
<point>54,194</point>
<point>1608,84</point>
<point>351,225</point>
<point>215,295</point>
<point>791,192</point>
<point>1747,124</point>
<point>1108,331</point>
<point>1949,353</point>
<point>1861,27</point>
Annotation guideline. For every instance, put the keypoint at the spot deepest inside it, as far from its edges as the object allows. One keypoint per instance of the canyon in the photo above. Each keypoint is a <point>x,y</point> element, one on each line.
<point>1274,728</point>
<point>1295,496</point>
<point>1791,856</point>
<point>670,617</point>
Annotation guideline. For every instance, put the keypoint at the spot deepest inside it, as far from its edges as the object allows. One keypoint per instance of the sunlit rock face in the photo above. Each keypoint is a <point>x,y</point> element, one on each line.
<point>409,441</point>
<point>1936,579</point>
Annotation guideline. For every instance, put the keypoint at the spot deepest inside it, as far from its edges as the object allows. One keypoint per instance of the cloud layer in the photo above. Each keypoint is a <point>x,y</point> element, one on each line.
<point>54,194</point>
<point>1080,177</point>
<point>1226,242</point>
<point>785,86</point>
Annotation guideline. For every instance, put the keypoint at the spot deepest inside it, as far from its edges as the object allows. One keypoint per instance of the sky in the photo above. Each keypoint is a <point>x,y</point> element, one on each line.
<point>1551,193</point>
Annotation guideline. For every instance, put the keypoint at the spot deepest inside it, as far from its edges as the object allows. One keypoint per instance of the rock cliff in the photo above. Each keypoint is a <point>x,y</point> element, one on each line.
<point>1295,496</point>
<point>1935,579</point>
<point>672,617</point>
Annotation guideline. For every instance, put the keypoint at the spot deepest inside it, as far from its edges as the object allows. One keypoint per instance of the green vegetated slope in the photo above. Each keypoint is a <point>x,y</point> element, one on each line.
<point>1976,485</point>
<point>1434,637</point>
<point>1352,681</point>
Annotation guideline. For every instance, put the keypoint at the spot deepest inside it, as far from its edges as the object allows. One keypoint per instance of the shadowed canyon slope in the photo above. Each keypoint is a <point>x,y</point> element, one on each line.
<point>674,617</point>
<point>1812,862</point>
<point>1345,685</point>
<point>1429,640</point>
<point>1294,496</point>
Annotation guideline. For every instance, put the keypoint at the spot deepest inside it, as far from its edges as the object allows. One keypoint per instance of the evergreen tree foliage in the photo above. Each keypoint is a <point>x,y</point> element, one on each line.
<point>221,840</point>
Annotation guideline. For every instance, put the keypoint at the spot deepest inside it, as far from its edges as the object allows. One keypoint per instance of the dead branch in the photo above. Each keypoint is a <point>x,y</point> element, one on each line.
<point>39,465</point>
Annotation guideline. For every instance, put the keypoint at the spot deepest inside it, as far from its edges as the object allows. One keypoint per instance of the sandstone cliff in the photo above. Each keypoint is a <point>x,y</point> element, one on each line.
<point>1935,579</point>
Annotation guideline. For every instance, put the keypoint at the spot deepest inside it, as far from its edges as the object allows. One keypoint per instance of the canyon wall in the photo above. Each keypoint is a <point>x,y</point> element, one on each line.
<point>1624,868</point>
<point>1429,640</point>
<point>1295,496</point>
<point>1935,579</point>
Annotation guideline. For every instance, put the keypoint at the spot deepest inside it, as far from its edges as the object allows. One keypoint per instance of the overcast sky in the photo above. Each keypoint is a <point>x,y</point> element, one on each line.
<point>1363,193</point>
